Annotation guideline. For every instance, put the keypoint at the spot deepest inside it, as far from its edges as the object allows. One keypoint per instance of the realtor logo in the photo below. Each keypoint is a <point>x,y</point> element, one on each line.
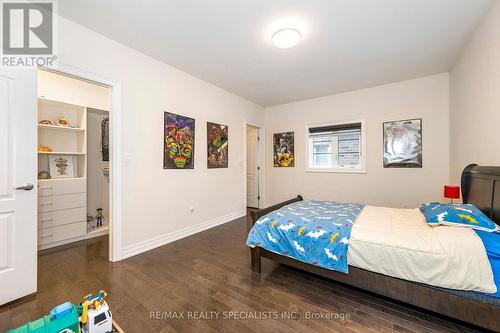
<point>27,28</point>
<point>28,34</point>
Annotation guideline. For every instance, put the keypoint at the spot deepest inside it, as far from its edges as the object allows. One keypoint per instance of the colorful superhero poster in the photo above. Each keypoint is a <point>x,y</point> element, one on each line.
<point>217,145</point>
<point>284,155</point>
<point>178,151</point>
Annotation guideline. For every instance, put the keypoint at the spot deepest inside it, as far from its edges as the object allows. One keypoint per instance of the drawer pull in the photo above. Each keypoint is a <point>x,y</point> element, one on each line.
<point>48,236</point>
<point>47,188</point>
<point>47,204</point>
<point>47,220</point>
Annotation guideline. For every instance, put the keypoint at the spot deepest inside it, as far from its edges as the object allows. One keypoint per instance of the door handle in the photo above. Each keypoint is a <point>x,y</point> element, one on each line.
<point>26,187</point>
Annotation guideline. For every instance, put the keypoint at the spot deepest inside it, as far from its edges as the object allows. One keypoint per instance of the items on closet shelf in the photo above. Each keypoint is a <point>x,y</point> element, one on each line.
<point>95,221</point>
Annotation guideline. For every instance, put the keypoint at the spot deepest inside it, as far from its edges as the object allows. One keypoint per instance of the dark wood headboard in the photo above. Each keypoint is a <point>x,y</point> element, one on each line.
<point>481,187</point>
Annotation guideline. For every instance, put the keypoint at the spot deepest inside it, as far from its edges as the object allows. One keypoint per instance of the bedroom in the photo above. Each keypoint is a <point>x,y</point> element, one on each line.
<point>193,77</point>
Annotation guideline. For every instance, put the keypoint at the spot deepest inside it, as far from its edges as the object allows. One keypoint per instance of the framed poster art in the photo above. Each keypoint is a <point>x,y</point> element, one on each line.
<point>283,149</point>
<point>61,166</point>
<point>178,141</point>
<point>217,145</point>
<point>403,144</point>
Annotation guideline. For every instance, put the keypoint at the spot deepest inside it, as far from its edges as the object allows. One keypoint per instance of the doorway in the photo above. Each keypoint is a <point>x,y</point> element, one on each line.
<point>108,181</point>
<point>73,160</point>
<point>254,166</point>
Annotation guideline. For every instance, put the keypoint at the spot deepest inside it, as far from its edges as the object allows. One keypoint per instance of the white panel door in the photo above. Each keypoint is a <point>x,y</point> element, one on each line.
<point>18,168</point>
<point>252,167</point>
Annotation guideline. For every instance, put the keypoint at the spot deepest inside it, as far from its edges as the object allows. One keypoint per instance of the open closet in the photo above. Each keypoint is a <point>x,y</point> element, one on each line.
<point>73,160</point>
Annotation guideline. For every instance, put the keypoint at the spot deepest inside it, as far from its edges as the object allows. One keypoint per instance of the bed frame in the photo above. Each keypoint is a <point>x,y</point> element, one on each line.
<point>480,186</point>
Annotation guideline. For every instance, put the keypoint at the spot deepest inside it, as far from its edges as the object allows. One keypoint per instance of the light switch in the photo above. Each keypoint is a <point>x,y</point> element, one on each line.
<point>127,157</point>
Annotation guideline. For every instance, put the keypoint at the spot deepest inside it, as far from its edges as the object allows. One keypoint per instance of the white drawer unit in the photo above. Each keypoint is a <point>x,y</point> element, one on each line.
<point>61,233</point>
<point>61,217</point>
<point>51,187</point>
<point>60,202</point>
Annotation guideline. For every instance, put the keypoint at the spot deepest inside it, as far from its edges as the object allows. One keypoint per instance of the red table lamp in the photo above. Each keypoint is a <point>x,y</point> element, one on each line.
<point>451,192</point>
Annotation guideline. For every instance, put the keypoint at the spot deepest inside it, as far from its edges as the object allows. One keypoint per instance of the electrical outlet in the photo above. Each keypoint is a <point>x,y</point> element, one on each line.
<point>191,210</point>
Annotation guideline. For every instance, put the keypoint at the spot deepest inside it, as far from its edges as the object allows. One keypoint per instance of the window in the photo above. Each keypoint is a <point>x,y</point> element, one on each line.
<point>336,147</point>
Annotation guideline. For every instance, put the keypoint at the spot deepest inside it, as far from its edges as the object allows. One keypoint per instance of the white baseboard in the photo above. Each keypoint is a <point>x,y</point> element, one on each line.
<point>152,243</point>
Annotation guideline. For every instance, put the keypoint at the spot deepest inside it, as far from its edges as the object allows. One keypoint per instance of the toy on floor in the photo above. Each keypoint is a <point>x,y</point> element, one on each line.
<point>91,316</point>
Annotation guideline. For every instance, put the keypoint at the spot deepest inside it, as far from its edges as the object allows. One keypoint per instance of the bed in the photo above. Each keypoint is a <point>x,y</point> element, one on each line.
<point>481,187</point>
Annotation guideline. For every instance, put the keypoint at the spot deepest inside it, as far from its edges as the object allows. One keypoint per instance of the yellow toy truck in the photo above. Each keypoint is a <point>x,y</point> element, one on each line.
<point>91,316</point>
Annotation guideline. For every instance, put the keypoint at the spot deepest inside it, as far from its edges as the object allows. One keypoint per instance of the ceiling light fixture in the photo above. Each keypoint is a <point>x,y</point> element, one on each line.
<point>286,38</point>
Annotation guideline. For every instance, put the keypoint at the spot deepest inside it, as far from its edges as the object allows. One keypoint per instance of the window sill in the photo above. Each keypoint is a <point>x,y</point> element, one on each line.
<point>314,170</point>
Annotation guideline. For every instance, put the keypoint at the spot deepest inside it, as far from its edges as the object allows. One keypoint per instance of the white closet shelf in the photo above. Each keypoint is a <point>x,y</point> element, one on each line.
<point>45,100</point>
<point>60,153</point>
<point>60,179</point>
<point>61,128</point>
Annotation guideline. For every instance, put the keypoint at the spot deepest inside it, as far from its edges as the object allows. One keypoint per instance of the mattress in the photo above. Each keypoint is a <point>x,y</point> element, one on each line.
<point>398,243</point>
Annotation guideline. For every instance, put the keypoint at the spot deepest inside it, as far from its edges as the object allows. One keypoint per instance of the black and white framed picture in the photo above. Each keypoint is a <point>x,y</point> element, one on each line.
<point>61,166</point>
<point>403,144</point>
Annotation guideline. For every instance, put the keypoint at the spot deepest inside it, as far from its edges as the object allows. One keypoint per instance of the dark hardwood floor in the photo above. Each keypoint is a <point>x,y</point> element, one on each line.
<point>210,271</point>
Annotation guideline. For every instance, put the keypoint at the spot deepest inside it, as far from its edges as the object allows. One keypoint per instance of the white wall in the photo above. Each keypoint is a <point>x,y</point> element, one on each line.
<point>475,98</point>
<point>426,98</point>
<point>156,201</point>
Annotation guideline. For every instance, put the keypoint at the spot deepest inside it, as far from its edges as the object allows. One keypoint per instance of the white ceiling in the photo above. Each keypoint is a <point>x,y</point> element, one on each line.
<point>346,45</point>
